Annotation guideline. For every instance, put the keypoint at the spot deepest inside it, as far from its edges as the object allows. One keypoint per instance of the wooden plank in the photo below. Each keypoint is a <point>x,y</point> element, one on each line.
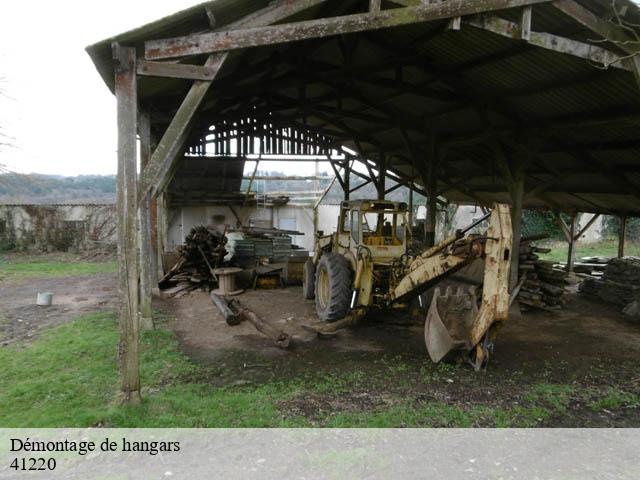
<point>593,53</point>
<point>155,175</point>
<point>321,28</point>
<point>175,70</point>
<point>621,235</point>
<point>126,204</point>
<point>375,6</point>
<point>525,23</point>
<point>455,24</point>
<point>563,226</point>
<point>144,218</point>
<point>571,254</point>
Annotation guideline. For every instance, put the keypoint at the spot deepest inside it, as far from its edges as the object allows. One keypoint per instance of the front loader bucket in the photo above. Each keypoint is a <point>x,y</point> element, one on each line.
<point>449,322</point>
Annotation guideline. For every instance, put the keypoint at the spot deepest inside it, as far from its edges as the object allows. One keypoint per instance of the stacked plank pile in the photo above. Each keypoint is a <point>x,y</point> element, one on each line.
<point>202,252</point>
<point>620,283</point>
<point>545,286</point>
<point>276,248</point>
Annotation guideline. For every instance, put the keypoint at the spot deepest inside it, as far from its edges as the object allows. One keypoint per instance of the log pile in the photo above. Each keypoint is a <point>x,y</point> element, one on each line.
<point>544,286</point>
<point>202,252</point>
<point>620,283</point>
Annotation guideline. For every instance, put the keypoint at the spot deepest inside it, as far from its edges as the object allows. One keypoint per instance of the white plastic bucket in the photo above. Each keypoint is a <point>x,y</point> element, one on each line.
<point>44,299</point>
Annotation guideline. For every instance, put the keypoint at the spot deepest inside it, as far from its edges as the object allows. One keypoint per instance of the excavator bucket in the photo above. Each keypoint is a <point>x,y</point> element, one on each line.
<point>457,322</point>
<point>449,321</point>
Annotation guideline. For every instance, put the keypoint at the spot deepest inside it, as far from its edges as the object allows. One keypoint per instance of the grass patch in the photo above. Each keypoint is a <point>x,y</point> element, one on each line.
<point>31,266</point>
<point>68,378</point>
<point>614,399</point>
<point>605,248</point>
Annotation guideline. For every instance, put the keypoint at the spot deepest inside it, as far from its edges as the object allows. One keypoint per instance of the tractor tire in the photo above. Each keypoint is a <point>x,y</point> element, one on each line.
<point>309,280</point>
<point>334,280</point>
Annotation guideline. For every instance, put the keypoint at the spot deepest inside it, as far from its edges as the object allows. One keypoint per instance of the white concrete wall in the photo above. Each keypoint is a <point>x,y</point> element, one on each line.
<point>183,219</point>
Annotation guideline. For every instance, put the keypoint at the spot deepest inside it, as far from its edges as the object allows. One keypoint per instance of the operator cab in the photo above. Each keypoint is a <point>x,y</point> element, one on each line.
<point>374,223</point>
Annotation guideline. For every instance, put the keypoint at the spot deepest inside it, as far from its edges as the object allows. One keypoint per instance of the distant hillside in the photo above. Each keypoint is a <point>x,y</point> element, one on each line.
<point>36,188</point>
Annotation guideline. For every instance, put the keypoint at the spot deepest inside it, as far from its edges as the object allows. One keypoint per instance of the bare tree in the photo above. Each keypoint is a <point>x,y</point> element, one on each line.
<point>629,38</point>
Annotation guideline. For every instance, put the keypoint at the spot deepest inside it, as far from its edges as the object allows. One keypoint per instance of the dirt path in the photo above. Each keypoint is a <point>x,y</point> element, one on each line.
<point>21,318</point>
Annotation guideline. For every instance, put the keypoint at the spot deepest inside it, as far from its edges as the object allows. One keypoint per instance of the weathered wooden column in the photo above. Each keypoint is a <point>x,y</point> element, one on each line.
<point>382,176</point>
<point>144,214</point>
<point>161,230</point>
<point>347,178</point>
<point>621,234</point>
<point>432,194</point>
<point>571,251</point>
<point>517,198</point>
<point>127,107</point>
<point>410,219</point>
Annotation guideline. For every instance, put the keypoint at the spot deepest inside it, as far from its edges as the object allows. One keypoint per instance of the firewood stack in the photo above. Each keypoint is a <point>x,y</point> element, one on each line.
<point>544,287</point>
<point>620,283</point>
<point>203,251</point>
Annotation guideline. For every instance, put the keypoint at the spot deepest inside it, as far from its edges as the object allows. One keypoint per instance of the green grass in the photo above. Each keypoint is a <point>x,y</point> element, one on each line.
<point>68,377</point>
<point>23,266</point>
<point>606,248</point>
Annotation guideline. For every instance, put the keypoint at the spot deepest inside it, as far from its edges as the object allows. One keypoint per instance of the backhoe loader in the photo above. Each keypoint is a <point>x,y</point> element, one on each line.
<point>366,264</point>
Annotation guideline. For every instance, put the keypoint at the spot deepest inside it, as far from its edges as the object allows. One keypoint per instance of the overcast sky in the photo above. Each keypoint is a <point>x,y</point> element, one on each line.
<point>60,113</point>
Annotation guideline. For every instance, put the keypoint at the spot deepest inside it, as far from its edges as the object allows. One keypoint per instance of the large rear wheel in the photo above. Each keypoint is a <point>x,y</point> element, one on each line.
<point>334,280</point>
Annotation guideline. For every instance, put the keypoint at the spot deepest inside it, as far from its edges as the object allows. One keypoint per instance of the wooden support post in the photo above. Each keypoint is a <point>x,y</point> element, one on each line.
<point>127,112</point>
<point>347,178</point>
<point>621,235</point>
<point>432,193</point>
<point>525,23</point>
<point>161,233</point>
<point>517,197</point>
<point>571,253</point>
<point>144,218</point>
<point>410,219</point>
<point>382,176</point>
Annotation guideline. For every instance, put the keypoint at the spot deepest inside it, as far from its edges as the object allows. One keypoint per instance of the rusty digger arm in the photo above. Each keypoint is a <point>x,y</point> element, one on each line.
<point>456,325</point>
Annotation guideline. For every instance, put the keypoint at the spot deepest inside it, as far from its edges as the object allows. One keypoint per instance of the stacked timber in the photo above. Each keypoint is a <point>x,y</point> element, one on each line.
<point>247,248</point>
<point>544,286</point>
<point>619,284</point>
<point>203,251</point>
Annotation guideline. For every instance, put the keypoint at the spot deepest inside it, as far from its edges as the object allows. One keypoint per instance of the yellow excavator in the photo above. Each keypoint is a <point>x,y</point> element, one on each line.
<point>366,264</point>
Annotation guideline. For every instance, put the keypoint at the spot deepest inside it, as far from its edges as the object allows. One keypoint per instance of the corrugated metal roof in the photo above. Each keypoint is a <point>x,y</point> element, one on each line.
<point>584,120</point>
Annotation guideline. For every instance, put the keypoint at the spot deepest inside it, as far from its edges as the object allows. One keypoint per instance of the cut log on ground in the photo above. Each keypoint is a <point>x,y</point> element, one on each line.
<point>234,311</point>
<point>229,316</point>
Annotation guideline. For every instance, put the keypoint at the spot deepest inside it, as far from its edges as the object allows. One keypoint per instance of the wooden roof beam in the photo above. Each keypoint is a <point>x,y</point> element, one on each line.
<point>499,26</point>
<point>609,31</point>
<point>208,43</point>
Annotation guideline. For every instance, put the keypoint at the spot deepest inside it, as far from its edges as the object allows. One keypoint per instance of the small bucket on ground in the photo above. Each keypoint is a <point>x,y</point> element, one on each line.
<point>44,299</point>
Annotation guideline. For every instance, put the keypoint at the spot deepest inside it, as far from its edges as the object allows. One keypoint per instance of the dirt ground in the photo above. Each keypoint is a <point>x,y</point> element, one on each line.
<point>22,319</point>
<point>588,330</point>
<point>589,347</point>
